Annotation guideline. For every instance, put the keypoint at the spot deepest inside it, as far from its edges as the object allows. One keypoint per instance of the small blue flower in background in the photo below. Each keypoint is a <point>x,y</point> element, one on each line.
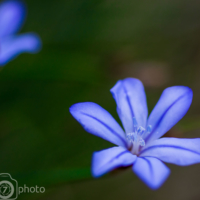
<point>12,15</point>
<point>140,145</point>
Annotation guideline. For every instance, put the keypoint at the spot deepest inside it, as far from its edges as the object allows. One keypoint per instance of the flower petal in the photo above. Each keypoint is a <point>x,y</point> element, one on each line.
<point>152,171</point>
<point>130,97</point>
<point>173,150</point>
<point>12,14</point>
<point>109,159</point>
<point>10,47</point>
<point>171,107</point>
<point>99,122</point>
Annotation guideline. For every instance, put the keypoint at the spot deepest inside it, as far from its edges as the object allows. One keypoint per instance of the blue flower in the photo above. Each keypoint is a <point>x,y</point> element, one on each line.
<point>140,146</point>
<point>12,15</point>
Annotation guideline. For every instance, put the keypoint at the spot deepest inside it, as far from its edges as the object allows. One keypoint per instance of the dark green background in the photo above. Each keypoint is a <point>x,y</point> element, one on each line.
<point>87,46</point>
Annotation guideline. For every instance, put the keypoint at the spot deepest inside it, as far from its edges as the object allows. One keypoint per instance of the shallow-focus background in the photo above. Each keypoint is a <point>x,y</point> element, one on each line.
<point>87,46</point>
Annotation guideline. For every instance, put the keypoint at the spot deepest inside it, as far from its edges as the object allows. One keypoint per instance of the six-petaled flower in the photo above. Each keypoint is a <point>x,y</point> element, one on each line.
<point>139,145</point>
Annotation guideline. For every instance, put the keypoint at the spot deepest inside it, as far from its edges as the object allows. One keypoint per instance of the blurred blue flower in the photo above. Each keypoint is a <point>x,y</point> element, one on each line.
<point>12,15</point>
<point>140,145</point>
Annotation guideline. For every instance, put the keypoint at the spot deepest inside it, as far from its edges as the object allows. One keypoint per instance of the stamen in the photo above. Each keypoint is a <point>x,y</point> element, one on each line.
<point>141,142</point>
<point>140,130</point>
<point>149,129</point>
<point>135,124</point>
<point>130,137</point>
<point>136,138</point>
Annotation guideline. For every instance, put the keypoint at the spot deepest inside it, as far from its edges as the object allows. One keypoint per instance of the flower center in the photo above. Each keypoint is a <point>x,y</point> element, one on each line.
<point>136,138</point>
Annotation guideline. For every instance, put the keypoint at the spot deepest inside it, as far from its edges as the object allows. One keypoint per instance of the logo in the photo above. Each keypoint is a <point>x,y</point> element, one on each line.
<point>9,188</point>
